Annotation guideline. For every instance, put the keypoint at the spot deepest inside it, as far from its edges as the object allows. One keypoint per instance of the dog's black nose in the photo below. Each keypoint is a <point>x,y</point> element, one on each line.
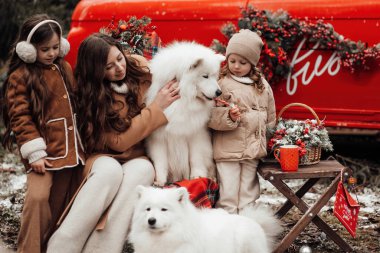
<point>218,93</point>
<point>152,221</point>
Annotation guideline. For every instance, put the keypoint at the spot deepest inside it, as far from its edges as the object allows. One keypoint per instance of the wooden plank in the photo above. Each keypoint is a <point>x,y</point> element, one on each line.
<point>323,169</point>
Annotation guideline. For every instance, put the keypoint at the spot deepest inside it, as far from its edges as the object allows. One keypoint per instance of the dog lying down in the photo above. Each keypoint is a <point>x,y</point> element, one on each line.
<point>165,221</point>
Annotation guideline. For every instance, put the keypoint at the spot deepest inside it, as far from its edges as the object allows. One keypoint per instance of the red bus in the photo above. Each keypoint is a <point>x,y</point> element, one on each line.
<point>349,102</point>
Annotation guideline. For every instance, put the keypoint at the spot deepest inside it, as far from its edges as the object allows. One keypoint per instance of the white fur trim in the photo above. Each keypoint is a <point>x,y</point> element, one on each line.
<point>32,146</point>
<point>35,156</point>
<point>243,79</point>
<point>66,138</point>
<point>122,89</point>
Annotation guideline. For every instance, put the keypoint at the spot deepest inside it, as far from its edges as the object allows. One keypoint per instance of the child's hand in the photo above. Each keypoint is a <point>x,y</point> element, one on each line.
<point>168,94</point>
<point>234,113</point>
<point>220,102</point>
<point>39,166</point>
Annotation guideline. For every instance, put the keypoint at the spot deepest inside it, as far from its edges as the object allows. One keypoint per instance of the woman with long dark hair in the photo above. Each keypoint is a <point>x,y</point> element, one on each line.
<point>113,122</point>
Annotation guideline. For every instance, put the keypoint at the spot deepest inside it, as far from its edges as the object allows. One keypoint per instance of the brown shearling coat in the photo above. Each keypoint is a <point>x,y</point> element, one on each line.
<point>60,141</point>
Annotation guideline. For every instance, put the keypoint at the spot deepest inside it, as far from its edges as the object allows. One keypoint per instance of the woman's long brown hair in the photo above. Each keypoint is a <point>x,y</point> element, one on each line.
<point>32,75</point>
<point>96,108</point>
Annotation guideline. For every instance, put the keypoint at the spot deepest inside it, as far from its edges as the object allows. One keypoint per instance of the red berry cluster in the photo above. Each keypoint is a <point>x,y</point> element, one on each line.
<point>134,34</point>
<point>279,135</point>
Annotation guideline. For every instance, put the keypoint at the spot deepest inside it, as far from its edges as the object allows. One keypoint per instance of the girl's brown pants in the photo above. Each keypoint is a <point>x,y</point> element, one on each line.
<point>46,197</point>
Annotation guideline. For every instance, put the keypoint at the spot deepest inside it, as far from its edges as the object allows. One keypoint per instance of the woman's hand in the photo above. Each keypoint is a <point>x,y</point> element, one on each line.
<point>167,95</point>
<point>39,166</point>
<point>234,113</point>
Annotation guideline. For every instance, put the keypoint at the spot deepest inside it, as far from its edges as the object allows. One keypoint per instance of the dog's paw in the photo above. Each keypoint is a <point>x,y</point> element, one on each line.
<point>161,178</point>
<point>197,172</point>
<point>159,183</point>
<point>198,175</point>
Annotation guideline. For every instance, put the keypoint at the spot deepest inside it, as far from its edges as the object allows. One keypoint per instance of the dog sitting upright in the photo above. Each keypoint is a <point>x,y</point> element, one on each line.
<point>182,149</point>
<point>165,221</point>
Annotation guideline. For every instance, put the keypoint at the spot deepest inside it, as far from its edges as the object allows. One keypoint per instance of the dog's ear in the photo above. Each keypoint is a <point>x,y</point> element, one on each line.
<point>183,195</point>
<point>139,190</point>
<point>220,57</point>
<point>196,63</point>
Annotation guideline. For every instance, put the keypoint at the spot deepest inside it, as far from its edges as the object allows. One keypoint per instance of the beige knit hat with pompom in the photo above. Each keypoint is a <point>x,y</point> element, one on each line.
<point>247,44</point>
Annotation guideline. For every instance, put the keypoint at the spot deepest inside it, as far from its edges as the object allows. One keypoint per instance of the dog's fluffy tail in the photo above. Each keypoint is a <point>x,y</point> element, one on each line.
<point>265,217</point>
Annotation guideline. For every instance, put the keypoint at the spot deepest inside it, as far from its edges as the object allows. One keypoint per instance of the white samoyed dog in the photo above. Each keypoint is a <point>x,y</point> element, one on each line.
<point>165,221</point>
<point>182,148</point>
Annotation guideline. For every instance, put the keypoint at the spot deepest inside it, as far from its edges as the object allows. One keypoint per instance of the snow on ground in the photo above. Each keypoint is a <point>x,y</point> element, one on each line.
<point>16,182</point>
<point>12,177</point>
<point>369,199</point>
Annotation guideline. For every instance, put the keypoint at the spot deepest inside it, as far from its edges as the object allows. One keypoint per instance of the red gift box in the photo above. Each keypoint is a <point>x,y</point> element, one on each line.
<point>346,209</point>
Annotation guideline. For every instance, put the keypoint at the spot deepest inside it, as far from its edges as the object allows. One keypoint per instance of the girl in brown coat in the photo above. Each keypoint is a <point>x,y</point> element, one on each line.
<point>114,122</point>
<point>38,112</point>
<point>239,136</point>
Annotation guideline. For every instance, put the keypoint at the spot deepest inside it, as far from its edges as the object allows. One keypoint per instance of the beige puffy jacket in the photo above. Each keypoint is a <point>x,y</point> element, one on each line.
<point>234,141</point>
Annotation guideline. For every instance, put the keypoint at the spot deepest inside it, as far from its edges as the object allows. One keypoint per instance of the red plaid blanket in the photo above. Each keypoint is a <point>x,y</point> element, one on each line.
<point>203,192</point>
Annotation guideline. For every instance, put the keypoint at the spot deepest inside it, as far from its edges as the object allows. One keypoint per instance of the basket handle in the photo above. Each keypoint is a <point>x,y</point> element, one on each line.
<point>298,104</point>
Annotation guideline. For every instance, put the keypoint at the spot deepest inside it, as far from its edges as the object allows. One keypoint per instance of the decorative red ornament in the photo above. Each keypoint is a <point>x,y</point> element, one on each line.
<point>346,209</point>
<point>352,180</point>
<point>302,151</point>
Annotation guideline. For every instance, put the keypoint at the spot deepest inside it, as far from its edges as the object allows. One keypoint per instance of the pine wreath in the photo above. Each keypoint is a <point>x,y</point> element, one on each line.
<point>281,32</point>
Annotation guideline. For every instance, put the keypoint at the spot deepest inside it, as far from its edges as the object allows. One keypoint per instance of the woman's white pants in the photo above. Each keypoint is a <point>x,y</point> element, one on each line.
<point>109,183</point>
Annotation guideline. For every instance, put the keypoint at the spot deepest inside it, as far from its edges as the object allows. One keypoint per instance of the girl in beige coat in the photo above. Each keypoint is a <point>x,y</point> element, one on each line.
<point>240,123</point>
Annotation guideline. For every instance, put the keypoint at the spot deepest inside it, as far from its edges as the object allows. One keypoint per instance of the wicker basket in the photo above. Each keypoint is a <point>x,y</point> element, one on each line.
<point>313,154</point>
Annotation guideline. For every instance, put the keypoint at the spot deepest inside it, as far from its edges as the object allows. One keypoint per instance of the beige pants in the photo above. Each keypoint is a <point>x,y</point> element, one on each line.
<point>108,182</point>
<point>238,183</point>
<point>46,197</point>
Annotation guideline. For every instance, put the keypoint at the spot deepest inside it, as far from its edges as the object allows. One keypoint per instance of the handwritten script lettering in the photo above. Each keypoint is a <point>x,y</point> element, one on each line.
<point>332,66</point>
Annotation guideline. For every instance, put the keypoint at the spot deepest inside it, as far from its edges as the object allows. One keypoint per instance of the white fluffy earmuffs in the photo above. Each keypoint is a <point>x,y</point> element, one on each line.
<point>28,53</point>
